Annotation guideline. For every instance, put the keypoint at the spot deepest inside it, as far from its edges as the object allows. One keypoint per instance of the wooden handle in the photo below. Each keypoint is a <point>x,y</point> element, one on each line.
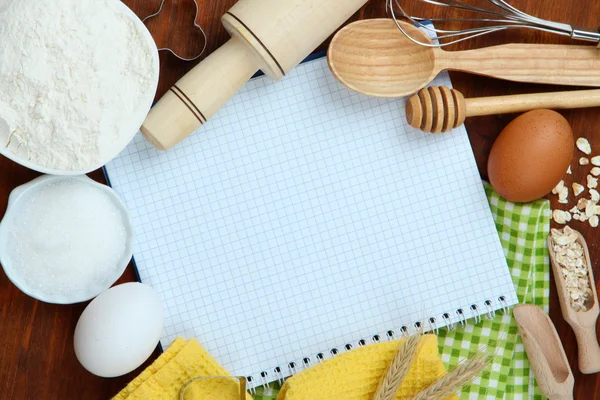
<point>552,64</point>
<point>527,102</point>
<point>545,352</point>
<point>560,397</point>
<point>200,94</point>
<point>589,350</point>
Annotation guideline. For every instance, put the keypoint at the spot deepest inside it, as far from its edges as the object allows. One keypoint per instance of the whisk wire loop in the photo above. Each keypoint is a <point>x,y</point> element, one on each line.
<point>502,17</point>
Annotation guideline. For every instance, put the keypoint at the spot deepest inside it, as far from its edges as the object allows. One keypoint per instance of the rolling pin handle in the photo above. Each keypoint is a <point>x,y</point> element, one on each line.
<point>197,96</point>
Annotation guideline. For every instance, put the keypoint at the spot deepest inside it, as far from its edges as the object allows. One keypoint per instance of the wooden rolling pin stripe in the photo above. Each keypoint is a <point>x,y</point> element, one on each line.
<point>259,41</point>
<point>188,103</point>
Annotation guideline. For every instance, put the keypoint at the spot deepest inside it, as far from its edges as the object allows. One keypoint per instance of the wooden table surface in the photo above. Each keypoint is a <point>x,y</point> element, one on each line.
<point>37,360</point>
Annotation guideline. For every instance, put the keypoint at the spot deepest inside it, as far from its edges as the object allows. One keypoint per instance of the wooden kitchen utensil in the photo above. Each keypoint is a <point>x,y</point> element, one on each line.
<point>583,322</point>
<point>438,109</point>
<point>270,35</point>
<point>374,58</point>
<point>545,352</point>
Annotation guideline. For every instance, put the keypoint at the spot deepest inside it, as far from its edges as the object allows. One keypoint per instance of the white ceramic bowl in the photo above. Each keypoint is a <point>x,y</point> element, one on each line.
<point>136,120</point>
<point>13,204</point>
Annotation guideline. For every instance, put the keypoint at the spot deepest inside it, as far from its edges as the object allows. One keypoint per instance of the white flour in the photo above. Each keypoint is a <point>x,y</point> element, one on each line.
<point>72,75</point>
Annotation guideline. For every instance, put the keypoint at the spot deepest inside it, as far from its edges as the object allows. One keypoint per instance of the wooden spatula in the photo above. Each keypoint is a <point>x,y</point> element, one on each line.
<point>582,322</point>
<point>545,352</point>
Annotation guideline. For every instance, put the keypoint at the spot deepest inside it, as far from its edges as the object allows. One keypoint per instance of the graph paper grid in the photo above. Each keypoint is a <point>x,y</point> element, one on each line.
<point>304,217</point>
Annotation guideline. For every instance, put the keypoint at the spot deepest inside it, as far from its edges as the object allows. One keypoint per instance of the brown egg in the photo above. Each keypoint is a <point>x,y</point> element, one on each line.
<point>531,155</point>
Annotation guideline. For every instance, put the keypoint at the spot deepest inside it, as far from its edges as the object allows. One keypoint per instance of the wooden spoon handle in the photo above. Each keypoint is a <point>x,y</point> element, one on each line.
<point>552,64</point>
<point>589,350</point>
<point>525,102</point>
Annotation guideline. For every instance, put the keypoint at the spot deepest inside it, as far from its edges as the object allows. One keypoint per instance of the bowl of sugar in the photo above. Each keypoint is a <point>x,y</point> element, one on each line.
<point>65,240</point>
<point>77,79</point>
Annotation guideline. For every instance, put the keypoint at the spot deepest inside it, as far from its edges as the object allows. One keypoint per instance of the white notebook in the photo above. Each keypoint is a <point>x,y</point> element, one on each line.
<point>305,217</point>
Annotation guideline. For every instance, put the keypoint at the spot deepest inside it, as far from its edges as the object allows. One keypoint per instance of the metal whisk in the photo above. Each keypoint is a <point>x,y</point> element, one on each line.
<point>498,16</point>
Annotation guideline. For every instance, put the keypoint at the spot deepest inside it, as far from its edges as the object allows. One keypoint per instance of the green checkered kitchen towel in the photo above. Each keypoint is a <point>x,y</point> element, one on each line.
<point>523,229</point>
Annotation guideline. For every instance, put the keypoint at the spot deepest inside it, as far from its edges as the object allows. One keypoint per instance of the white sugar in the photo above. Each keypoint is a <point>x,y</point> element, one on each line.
<point>67,237</point>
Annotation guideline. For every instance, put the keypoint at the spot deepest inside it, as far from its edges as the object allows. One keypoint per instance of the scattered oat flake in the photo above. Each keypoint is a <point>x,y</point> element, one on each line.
<point>569,171</point>
<point>595,171</point>
<point>584,145</point>
<point>557,189</point>
<point>563,195</point>
<point>583,161</point>
<point>590,208</point>
<point>560,217</point>
<point>592,182</point>
<point>582,203</point>
<point>596,161</point>
<point>576,217</point>
<point>577,189</point>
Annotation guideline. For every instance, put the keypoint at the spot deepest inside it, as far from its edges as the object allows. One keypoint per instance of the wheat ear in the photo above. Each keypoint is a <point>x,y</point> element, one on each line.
<point>395,373</point>
<point>450,383</point>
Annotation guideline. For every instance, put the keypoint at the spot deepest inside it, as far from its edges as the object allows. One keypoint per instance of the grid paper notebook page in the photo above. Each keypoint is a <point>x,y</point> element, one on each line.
<point>304,217</point>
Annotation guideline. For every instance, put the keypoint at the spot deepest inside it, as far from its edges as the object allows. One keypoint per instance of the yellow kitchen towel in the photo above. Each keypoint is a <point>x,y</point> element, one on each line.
<point>183,361</point>
<point>355,375</point>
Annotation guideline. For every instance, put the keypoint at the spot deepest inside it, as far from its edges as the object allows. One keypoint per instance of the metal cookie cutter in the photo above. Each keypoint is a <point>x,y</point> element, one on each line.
<point>162,3</point>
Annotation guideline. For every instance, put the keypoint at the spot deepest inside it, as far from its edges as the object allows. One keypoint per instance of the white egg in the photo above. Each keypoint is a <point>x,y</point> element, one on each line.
<point>119,330</point>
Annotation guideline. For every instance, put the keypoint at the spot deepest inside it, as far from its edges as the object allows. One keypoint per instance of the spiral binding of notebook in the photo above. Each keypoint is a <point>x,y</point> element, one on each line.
<point>431,325</point>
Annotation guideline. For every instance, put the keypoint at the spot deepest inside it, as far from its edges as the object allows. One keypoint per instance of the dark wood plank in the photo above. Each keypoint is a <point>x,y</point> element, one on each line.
<point>37,359</point>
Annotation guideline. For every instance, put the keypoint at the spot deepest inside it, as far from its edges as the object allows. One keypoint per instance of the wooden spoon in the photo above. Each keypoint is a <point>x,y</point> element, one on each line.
<point>582,322</point>
<point>374,58</point>
<point>545,352</point>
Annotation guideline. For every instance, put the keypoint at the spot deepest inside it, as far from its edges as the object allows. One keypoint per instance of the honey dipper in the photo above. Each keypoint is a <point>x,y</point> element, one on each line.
<point>438,109</point>
<point>582,322</point>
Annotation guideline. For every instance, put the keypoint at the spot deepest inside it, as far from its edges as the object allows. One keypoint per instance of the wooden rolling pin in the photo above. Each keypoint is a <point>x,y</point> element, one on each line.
<point>270,35</point>
<point>438,109</point>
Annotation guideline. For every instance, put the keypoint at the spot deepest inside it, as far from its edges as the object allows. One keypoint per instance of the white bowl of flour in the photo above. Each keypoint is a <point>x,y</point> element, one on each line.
<point>65,239</point>
<point>77,79</point>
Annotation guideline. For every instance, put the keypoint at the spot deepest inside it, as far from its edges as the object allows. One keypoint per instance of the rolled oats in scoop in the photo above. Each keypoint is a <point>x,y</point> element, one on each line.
<point>571,258</point>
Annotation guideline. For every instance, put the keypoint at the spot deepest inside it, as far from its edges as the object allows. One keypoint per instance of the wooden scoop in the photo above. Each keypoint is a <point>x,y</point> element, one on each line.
<point>545,352</point>
<point>438,109</point>
<point>583,322</point>
<point>374,58</point>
